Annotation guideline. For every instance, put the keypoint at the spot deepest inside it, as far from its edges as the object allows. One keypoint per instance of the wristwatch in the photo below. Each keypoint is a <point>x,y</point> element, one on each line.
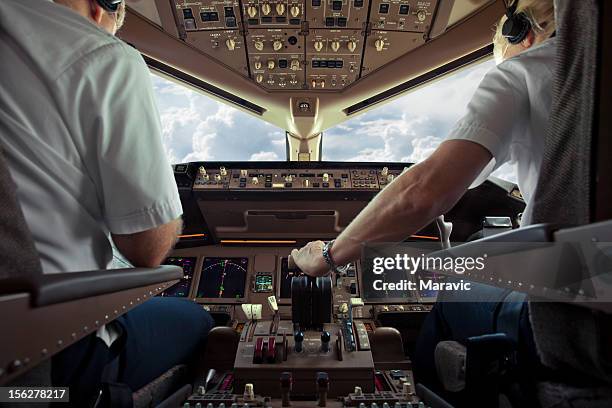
<point>327,256</point>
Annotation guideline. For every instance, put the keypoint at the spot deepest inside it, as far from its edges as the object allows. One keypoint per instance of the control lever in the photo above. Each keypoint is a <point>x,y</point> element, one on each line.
<point>325,338</point>
<point>445,229</point>
<point>209,378</point>
<point>286,383</point>
<point>322,387</point>
<point>298,337</point>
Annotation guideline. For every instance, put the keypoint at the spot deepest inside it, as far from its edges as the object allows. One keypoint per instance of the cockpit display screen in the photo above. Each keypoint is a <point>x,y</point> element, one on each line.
<point>287,274</point>
<point>223,278</point>
<point>182,287</point>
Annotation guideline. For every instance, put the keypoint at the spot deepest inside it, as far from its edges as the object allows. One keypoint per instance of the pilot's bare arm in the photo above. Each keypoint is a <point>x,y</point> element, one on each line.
<point>412,201</point>
<point>149,248</point>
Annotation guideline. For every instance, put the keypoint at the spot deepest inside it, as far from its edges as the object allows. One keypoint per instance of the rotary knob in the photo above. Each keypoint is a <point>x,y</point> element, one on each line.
<point>384,171</point>
<point>217,177</point>
<point>259,45</point>
<point>202,170</point>
<point>257,64</point>
<point>318,45</point>
<point>325,177</point>
<point>390,178</point>
<point>421,15</point>
<point>244,173</point>
<point>230,43</point>
<point>277,45</point>
<point>259,78</point>
<point>295,65</point>
<point>252,11</point>
<point>306,183</point>
<point>351,45</point>
<point>280,9</point>
<point>313,83</point>
<point>271,64</point>
<point>295,10</point>
<point>335,46</point>
<point>266,9</point>
<point>255,180</point>
<point>223,171</point>
<point>205,177</point>
<point>379,44</point>
<point>322,83</point>
<point>289,178</point>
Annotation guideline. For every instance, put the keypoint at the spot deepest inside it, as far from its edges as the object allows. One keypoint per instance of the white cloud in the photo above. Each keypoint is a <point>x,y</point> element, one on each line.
<point>264,156</point>
<point>408,129</point>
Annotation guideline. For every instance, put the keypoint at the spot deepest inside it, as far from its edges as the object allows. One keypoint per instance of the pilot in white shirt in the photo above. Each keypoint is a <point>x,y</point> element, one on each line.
<point>81,134</point>
<point>506,121</point>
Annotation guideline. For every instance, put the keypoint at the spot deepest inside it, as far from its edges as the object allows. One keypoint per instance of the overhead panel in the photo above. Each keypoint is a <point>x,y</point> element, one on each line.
<point>321,45</point>
<point>213,26</point>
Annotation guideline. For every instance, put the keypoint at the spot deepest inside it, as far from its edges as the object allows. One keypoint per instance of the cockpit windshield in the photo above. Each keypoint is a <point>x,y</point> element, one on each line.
<point>407,129</point>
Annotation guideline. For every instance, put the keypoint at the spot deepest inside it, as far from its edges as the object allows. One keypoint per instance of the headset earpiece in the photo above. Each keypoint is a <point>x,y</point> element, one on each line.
<point>109,5</point>
<point>517,26</point>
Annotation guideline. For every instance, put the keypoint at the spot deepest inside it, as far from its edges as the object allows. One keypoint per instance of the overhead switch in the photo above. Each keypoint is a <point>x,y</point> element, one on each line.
<point>379,44</point>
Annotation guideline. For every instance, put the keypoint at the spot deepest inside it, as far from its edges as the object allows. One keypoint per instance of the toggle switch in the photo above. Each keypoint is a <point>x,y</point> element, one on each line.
<point>325,338</point>
<point>322,388</point>
<point>286,384</point>
<point>298,337</point>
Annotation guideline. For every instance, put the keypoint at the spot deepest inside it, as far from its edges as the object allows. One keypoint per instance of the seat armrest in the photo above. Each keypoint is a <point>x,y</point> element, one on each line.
<point>63,287</point>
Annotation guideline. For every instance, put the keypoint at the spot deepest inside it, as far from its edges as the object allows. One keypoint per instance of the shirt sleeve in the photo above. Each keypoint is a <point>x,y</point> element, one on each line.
<point>122,140</point>
<point>491,118</point>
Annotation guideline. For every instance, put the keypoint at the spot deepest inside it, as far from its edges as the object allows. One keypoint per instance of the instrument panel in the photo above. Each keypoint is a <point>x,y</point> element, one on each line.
<point>319,45</point>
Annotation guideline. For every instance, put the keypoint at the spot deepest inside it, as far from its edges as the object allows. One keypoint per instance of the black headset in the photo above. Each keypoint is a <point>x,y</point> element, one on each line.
<point>109,5</point>
<point>516,27</point>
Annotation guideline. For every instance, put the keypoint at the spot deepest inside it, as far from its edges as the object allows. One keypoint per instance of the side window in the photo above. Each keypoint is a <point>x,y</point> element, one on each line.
<point>197,127</point>
<point>409,128</point>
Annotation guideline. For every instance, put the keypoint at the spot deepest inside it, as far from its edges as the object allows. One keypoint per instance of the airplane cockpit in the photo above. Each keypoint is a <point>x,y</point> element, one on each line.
<point>283,338</point>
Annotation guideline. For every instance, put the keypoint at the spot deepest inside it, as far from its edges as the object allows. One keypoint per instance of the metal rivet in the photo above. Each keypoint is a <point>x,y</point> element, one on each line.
<point>14,366</point>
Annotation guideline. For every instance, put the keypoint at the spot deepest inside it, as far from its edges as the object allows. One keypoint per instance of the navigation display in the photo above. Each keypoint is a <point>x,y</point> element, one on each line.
<point>223,278</point>
<point>182,287</point>
<point>287,275</point>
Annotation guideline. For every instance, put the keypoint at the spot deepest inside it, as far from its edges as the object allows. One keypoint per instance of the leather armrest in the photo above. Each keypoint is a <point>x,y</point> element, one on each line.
<point>62,287</point>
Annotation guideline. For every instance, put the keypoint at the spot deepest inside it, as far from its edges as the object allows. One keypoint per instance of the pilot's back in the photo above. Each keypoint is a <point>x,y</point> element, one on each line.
<point>54,65</point>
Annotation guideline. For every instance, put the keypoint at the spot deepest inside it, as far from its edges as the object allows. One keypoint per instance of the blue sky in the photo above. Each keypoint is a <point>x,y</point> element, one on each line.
<point>407,129</point>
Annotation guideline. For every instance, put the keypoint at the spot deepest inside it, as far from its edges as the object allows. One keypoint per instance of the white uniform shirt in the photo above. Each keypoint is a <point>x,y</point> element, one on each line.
<point>81,133</point>
<point>509,115</point>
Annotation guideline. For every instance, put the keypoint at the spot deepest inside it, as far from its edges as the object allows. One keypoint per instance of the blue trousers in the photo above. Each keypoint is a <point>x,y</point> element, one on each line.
<point>483,310</point>
<point>157,335</point>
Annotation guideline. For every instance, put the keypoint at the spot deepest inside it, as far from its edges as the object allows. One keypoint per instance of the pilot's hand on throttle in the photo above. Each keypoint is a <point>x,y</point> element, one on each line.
<point>310,259</point>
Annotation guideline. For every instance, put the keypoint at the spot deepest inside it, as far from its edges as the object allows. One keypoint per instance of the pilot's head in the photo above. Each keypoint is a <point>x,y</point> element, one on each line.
<point>103,13</point>
<point>532,21</point>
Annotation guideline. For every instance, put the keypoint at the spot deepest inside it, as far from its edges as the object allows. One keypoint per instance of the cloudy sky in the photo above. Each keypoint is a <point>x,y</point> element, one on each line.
<point>408,129</point>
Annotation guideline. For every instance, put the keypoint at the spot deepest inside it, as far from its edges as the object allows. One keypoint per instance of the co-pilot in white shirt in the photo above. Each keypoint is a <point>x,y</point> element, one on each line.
<point>82,137</point>
<point>509,115</point>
